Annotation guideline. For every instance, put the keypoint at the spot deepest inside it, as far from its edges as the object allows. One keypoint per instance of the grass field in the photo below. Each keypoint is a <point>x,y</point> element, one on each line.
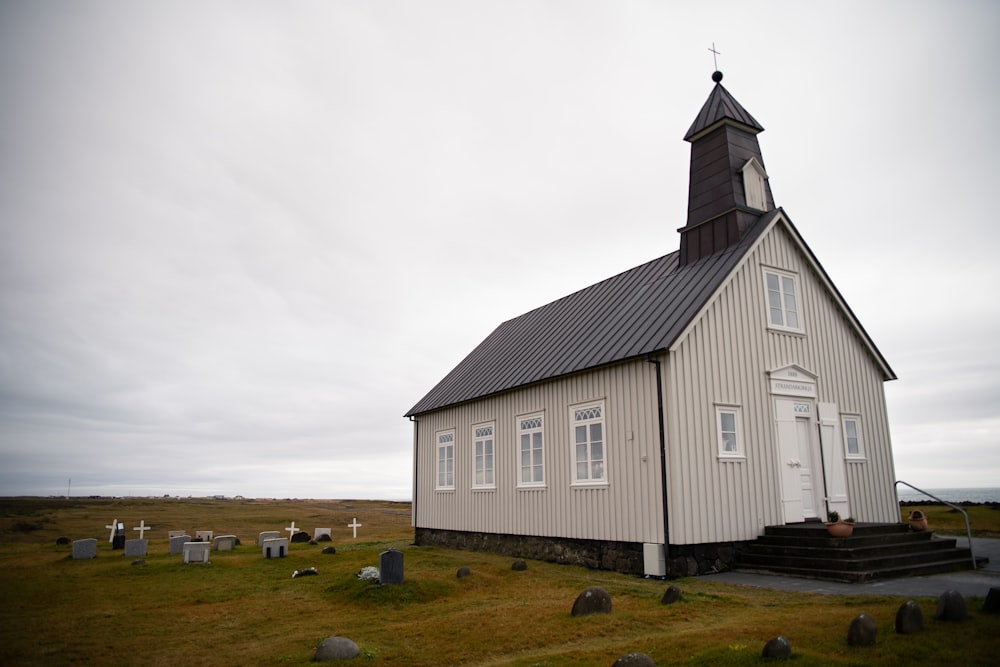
<point>243,610</point>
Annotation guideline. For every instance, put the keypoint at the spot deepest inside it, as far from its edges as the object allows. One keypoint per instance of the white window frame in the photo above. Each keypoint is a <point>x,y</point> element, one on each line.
<point>445,460</point>
<point>784,279</point>
<point>858,455</point>
<point>531,426</point>
<point>484,458</point>
<point>738,452</point>
<point>585,416</point>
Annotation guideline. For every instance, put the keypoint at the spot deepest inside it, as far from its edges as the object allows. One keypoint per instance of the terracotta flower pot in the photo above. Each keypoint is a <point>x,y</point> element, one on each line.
<point>840,529</point>
<point>918,520</point>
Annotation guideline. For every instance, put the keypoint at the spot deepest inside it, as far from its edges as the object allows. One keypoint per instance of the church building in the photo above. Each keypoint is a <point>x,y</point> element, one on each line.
<point>657,421</point>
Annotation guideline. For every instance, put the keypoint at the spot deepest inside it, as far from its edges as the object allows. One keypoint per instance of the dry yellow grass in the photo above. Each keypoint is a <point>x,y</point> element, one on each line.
<point>243,610</point>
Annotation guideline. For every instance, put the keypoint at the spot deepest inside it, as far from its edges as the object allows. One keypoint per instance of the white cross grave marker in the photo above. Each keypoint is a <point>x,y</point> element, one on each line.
<point>355,525</point>
<point>142,528</point>
<point>112,527</point>
<point>291,530</point>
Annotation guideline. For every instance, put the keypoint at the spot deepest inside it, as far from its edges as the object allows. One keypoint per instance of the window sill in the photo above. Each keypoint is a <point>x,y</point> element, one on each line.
<point>856,459</point>
<point>445,489</point>
<point>784,330</point>
<point>483,489</point>
<point>602,484</point>
<point>731,458</point>
<point>533,487</point>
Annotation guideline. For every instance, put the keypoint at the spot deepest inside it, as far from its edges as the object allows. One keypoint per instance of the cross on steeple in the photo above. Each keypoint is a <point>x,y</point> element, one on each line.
<point>715,56</point>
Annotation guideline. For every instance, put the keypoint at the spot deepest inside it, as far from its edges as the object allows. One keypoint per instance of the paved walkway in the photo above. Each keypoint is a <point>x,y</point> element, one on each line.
<point>970,583</point>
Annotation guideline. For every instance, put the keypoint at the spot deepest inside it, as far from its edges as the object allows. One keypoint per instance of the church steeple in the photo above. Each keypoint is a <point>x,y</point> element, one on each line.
<point>728,188</point>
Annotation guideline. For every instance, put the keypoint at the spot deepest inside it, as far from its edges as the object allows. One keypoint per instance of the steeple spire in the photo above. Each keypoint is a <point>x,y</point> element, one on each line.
<point>728,188</point>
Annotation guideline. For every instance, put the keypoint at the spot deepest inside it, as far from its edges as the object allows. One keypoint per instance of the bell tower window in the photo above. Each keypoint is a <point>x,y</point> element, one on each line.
<point>754,185</point>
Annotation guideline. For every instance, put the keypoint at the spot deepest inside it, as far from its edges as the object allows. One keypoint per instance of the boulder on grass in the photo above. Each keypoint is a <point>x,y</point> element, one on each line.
<point>301,536</point>
<point>463,571</point>
<point>862,631</point>
<point>330,550</point>
<point>672,595</point>
<point>634,660</point>
<point>594,600</point>
<point>336,648</point>
<point>519,566</point>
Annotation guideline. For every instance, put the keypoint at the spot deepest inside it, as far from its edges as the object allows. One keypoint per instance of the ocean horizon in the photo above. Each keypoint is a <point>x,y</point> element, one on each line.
<point>952,495</point>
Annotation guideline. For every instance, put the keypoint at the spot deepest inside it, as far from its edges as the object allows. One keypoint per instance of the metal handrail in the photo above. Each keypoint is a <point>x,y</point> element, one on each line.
<point>968,529</point>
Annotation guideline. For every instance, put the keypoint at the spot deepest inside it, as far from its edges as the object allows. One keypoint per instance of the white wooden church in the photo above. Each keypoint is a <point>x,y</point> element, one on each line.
<point>656,421</point>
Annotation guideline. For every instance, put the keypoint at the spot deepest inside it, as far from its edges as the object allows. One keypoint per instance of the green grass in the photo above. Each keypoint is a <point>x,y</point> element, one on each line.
<point>243,610</point>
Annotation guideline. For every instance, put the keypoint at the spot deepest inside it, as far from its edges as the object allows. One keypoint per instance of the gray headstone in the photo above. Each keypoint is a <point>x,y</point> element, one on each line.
<point>336,648</point>
<point>992,603</point>
<point>519,566</point>
<point>177,543</point>
<point>135,548</point>
<point>203,535</point>
<point>672,595</point>
<point>276,547</point>
<point>390,567</point>
<point>634,660</point>
<point>267,535</point>
<point>85,548</point>
<point>196,552</point>
<point>463,571</point>
<point>777,648</point>
<point>951,607</point>
<point>862,631</point>
<point>225,542</point>
<point>594,600</point>
<point>909,618</point>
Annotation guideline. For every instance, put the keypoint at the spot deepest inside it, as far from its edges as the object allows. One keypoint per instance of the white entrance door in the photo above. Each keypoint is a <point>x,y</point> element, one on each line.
<point>801,471</point>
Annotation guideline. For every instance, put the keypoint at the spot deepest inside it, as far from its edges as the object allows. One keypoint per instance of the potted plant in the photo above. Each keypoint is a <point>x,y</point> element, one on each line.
<point>918,520</point>
<point>838,528</point>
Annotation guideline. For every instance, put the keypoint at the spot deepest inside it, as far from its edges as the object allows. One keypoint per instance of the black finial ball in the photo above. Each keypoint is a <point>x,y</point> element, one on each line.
<point>717,76</point>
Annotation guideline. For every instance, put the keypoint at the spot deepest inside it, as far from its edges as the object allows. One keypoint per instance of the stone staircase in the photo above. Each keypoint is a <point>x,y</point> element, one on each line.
<point>873,551</point>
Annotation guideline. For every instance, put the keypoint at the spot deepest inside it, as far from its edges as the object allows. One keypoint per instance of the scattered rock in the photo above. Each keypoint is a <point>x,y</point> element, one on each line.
<point>330,550</point>
<point>62,540</point>
<point>778,648</point>
<point>634,660</point>
<point>307,572</point>
<point>519,565</point>
<point>909,618</point>
<point>951,607</point>
<point>672,595</point>
<point>336,648</point>
<point>992,603</point>
<point>594,600</point>
<point>301,536</point>
<point>463,572</point>
<point>862,631</point>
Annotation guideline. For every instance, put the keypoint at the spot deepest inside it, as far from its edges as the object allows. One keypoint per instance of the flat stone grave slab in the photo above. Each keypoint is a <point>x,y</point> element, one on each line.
<point>203,535</point>
<point>319,532</point>
<point>136,548</point>
<point>267,535</point>
<point>196,552</point>
<point>177,543</point>
<point>85,548</point>
<point>225,543</point>
<point>275,548</point>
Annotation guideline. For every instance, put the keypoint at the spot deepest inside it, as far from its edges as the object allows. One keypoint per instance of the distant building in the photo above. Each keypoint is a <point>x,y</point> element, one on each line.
<point>653,422</point>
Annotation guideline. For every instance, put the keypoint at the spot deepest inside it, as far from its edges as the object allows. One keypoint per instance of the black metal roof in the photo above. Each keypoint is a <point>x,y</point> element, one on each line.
<point>721,106</point>
<point>632,314</point>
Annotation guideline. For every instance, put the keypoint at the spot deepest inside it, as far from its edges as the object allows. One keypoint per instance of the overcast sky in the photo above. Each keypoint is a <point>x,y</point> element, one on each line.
<point>239,240</point>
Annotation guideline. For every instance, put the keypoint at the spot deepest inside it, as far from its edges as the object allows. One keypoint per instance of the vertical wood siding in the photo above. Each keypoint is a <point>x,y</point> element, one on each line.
<point>724,358</point>
<point>627,509</point>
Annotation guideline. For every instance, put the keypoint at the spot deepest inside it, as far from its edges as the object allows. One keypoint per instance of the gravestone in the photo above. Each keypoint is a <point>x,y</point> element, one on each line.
<point>135,548</point>
<point>992,603</point>
<point>909,618</point>
<point>390,565</point>
<point>320,532</point>
<point>594,600</point>
<point>671,595</point>
<point>196,552</point>
<point>175,533</point>
<point>177,543</point>
<point>142,528</point>
<point>117,537</point>
<point>276,547</point>
<point>862,631</point>
<point>267,535</point>
<point>203,535</point>
<point>354,525</point>
<point>777,648</point>
<point>463,571</point>
<point>951,607</point>
<point>85,548</point>
<point>225,543</point>
<point>519,565</point>
<point>634,660</point>
<point>301,537</point>
<point>336,648</point>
